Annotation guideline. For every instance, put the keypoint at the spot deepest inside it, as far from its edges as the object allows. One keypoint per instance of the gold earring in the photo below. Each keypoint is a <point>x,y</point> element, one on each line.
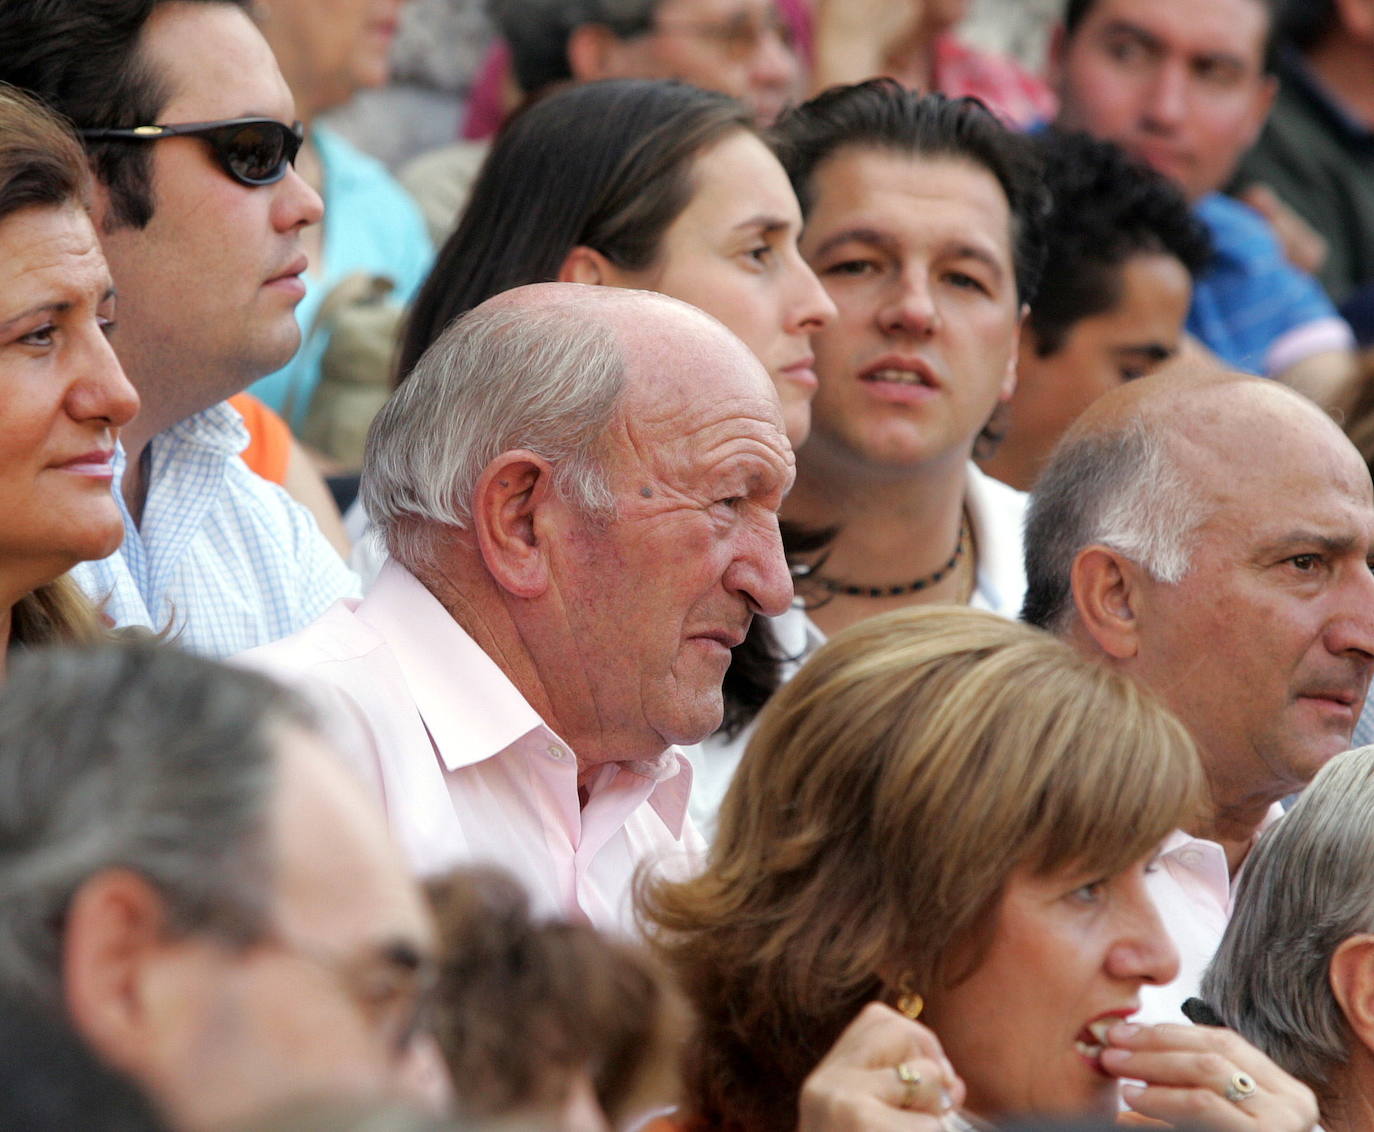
<point>909,1002</point>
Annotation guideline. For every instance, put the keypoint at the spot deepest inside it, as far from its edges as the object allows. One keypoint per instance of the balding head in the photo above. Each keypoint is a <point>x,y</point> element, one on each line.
<point>1210,533</point>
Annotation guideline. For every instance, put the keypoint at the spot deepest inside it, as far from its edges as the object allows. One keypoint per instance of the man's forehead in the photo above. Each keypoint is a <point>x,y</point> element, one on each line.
<point>1238,28</point>
<point>213,63</point>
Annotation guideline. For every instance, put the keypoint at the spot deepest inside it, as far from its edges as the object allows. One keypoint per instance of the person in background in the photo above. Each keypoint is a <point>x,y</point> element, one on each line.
<point>193,881</point>
<point>951,813</point>
<point>188,128</point>
<point>63,395</point>
<point>742,48</point>
<point>1123,250</point>
<point>916,42</point>
<point>1315,149</point>
<point>1186,89</point>
<point>1244,601</point>
<point>327,51</point>
<point>548,1022</point>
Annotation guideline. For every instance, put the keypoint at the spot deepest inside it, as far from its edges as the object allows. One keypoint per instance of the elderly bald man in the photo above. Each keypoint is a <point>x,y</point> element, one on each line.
<point>1210,534</point>
<point>578,487</point>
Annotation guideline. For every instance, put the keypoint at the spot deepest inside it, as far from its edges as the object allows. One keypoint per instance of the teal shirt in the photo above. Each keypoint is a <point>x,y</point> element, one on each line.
<point>372,224</point>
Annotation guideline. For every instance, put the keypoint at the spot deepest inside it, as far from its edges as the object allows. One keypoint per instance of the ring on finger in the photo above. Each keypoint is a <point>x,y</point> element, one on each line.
<point>910,1077</point>
<point>1240,1088</point>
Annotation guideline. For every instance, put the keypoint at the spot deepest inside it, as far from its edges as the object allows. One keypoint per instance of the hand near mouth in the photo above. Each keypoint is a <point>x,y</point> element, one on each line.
<point>1188,1072</point>
<point>884,1072</point>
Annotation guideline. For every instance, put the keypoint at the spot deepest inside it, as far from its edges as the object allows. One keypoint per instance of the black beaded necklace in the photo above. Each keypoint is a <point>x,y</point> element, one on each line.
<point>849,589</point>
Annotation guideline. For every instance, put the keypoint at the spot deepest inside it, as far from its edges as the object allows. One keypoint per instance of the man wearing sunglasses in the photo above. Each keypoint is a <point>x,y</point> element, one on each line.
<point>191,133</point>
<point>193,880</point>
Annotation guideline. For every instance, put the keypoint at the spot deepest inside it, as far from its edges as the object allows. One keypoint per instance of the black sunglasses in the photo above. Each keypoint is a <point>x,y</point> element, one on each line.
<point>253,151</point>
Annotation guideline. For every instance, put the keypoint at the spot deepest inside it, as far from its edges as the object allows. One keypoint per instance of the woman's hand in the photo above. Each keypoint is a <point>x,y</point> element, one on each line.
<point>884,1072</point>
<point>1206,1075</point>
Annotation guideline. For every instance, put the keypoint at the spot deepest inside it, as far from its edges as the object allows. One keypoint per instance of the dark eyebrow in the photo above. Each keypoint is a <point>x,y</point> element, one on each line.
<point>972,251</point>
<point>53,308</point>
<point>869,236</point>
<point>1124,29</point>
<point>1328,544</point>
<point>1150,351</point>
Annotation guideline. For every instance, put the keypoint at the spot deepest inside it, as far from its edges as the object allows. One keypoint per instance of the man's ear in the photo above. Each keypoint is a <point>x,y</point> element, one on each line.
<point>508,508</point>
<point>114,925</point>
<point>1105,587</point>
<point>594,52</point>
<point>1351,975</point>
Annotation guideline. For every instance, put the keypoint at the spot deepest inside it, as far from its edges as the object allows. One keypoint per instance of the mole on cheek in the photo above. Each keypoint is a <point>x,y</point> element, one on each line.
<point>647,492</point>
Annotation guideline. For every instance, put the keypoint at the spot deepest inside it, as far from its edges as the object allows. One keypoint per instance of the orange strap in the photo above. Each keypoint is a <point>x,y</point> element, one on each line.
<point>269,446</point>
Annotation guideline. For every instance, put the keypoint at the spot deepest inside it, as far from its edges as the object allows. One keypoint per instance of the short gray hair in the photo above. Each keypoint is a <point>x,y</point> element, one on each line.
<point>502,376</point>
<point>1122,489</point>
<point>538,32</point>
<point>1307,887</point>
<point>133,757</point>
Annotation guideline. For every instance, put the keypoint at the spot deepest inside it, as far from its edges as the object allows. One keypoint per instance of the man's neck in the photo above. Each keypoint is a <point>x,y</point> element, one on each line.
<point>1235,827</point>
<point>1346,69</point>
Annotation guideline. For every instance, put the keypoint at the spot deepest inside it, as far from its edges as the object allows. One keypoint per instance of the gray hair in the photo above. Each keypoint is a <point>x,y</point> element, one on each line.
<point>1307,886</point>
<point>547,379</point>
<point>133,757</point>
<point>1121,489</point>
<point>538,32</point>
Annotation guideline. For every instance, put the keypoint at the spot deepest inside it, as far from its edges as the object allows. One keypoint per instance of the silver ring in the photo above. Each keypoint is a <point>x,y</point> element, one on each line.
<point>910,1077</point>
<point>1240,1088</point>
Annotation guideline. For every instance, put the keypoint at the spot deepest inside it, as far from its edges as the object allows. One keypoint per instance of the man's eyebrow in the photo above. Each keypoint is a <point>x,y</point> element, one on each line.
<point>1330,544</point>
<point>1124,29</point>
<point>1149,351</point>
<point>857,235</point>
<point>973,251</point>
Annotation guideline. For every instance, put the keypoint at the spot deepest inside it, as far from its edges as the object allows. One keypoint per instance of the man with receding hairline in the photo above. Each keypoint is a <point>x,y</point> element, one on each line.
<point>578,487</point>
<point>1210,534</point>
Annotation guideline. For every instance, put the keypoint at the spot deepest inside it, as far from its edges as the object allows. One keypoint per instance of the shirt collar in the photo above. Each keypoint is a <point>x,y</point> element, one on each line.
<point>434,653</point>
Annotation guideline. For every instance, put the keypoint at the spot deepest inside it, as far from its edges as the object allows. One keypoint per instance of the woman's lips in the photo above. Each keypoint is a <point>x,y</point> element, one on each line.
<point>97,465</point>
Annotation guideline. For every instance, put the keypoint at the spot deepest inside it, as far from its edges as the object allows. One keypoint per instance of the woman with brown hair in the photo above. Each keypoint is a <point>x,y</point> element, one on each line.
<point>951,811</point>
<point>63,396</point>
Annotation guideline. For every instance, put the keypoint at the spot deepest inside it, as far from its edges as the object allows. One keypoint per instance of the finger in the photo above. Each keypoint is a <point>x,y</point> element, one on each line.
<point>1190,1106</point>
<point>880,1037</point>
<point>917,1085</point>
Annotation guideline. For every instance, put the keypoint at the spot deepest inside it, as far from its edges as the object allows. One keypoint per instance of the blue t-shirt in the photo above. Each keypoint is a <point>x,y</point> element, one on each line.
<point>1250,297</point>
<point>371,224</point>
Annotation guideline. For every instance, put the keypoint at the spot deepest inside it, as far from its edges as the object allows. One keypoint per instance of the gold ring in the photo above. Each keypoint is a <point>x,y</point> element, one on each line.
<point>1241,1087</point>
<point>910,1077</point>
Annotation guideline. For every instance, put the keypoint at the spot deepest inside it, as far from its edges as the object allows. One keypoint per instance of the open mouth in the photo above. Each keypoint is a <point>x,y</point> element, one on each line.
<point>902,377</point>
<point>1092,1040</point>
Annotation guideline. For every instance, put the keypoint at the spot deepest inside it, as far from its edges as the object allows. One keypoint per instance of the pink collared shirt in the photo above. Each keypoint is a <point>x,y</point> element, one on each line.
<point>1192,888</point>
<point>468,771</point>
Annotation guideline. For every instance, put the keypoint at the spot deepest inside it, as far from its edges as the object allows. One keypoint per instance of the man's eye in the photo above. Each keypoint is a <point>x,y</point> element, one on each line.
<point>41,337</point>
<point>1306,562</point>
<point>850,267</point>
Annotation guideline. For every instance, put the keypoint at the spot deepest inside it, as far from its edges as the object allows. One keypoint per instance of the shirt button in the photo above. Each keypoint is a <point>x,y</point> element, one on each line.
<point>1192,858</point>
<point>556,752</point>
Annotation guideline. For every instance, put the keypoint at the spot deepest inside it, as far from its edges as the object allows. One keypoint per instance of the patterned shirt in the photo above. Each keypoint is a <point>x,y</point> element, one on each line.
<point>223,559</point>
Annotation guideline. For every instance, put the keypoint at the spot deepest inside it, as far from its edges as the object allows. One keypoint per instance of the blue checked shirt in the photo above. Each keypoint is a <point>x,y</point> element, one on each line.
<point>224,559</point>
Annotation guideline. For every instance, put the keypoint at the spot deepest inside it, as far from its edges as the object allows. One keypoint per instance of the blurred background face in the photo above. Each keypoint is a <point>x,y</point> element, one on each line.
<point>330,49</point>
<point>1135,337</point>
<point>63,395</point>
<point>1067,958</point>
<point>733,253</point>
<point>1177,84</point>
<point>739,47</point>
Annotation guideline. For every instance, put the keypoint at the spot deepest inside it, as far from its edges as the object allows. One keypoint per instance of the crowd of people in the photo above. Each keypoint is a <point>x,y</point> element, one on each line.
<point>800,575</point>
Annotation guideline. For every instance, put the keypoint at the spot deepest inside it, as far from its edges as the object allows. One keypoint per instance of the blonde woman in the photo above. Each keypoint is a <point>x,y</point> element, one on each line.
<point>947,810</point>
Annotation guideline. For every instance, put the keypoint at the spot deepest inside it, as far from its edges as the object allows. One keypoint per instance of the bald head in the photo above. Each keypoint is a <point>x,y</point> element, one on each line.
<point>1144,467</point>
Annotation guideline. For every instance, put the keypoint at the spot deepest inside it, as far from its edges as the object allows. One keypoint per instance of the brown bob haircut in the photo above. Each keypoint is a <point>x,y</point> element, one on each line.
<point>893,786</point>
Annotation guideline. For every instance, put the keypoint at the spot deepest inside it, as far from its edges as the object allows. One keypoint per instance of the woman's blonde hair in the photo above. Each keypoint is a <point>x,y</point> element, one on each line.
<point>891,789</point>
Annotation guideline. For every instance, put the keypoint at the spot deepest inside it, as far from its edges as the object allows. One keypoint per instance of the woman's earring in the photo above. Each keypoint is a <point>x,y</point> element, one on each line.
<point>908,1001</point>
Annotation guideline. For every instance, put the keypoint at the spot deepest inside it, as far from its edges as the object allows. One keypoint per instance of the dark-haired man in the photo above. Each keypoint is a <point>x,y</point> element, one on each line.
<point>201,229</point>
<point>1185,87</point>
<point>1123,250</point>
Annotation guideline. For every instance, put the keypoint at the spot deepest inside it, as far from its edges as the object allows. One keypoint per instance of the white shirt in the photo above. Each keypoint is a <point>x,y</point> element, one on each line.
<point>223,559</point>
<point>997,515</point>
<point>468,771</point>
